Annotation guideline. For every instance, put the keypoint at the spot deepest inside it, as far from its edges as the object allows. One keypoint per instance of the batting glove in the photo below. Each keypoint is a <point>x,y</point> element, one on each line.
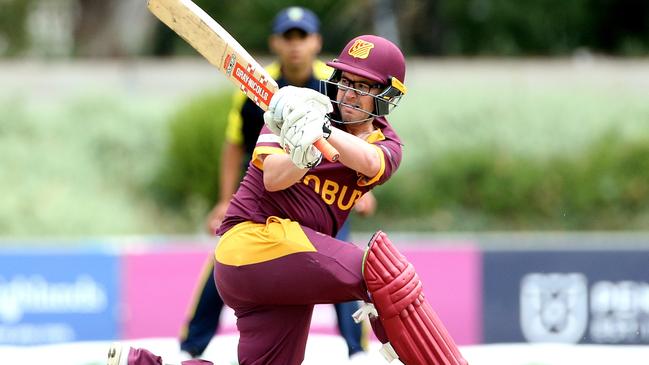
<point>287,99</point>
<point>301,129</point>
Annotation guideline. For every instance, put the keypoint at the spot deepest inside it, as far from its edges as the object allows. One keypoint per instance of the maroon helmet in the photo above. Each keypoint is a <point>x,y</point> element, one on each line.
<point>376,59</point>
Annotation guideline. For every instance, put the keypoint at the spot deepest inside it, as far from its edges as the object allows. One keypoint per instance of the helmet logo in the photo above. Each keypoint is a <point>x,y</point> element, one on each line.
<point>360,49</point>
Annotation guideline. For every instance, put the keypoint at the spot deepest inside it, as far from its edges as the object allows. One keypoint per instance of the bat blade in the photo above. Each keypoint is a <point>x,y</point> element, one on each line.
<point>216,45</point>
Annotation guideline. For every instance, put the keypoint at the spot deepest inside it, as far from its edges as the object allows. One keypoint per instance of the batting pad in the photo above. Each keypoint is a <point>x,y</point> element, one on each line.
<point>413,328</point>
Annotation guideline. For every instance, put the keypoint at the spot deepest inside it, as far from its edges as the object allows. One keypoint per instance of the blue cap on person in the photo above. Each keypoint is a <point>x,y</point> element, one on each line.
<point>296,17</point>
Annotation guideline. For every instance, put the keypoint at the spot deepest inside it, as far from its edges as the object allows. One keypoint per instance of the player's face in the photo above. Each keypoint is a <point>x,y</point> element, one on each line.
<point>355,97</point>
<point>296,48</point>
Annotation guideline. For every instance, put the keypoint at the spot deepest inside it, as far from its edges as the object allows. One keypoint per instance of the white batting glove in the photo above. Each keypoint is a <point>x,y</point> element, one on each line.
<point>288,99</point>
<point>316,101</point>
<point>301,129</point>
<point>306,157</point>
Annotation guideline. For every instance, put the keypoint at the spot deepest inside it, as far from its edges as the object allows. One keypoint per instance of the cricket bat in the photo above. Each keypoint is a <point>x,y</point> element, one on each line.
<point>214,43</point>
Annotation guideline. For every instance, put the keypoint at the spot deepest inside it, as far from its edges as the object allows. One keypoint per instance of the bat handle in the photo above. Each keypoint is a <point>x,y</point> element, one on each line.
<point>328,151</point>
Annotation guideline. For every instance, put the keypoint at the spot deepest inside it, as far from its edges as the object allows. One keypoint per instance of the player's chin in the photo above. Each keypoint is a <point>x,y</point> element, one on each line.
<point>351,115</point>
<point>348,112</point>
<point>298,59</point>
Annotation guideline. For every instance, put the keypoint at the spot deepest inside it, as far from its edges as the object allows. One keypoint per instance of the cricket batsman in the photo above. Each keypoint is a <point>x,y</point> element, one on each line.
<point>277,256</point>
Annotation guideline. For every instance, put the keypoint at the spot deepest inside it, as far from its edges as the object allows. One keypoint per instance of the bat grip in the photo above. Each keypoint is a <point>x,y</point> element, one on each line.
<point>328,151</point>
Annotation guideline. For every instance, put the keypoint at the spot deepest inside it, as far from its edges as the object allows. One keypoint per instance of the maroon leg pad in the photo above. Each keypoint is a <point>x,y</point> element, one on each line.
<point>412,326</point>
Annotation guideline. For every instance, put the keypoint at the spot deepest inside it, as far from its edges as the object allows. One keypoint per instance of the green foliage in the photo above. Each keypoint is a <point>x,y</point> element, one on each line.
<point>79,166</point>
<point>188,177</point>
<point>13,32</point>
<point>459,27</point>
<point>250,21</point>
<point>514,27</point>
<point>604,187</point>
<point>616,177</point>
<point>550,27</point>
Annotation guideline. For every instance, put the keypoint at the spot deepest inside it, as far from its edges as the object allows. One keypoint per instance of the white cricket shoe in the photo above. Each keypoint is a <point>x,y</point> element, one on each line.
<point>118,354</point>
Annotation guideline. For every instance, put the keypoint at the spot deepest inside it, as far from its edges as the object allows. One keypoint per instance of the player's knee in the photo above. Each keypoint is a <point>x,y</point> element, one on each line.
<point>387,269</point>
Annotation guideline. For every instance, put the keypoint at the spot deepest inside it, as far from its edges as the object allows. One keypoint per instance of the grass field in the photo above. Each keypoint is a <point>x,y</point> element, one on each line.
<point>75,159</point>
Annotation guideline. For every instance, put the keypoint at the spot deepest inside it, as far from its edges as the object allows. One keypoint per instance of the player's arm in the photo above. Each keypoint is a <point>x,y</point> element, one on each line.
<point>280,172</point>
<point>356,153</point>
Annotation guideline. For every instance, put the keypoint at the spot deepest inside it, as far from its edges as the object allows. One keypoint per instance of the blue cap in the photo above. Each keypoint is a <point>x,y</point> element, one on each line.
<point>296,17</point>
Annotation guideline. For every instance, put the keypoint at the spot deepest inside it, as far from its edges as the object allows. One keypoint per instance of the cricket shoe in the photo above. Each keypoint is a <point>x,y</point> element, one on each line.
<point>118,354</point>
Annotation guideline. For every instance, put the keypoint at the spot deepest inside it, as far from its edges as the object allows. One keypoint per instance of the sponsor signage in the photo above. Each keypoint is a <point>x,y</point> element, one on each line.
<point>566,296</point>
<point>58,297</point>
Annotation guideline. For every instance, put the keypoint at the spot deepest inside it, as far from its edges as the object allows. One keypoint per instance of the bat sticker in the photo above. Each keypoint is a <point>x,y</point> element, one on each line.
<point>257,88</point>
<point>228,65</point>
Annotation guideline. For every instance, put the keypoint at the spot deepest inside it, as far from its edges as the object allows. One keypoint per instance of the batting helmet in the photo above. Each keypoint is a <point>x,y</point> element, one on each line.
<point>376,59</point>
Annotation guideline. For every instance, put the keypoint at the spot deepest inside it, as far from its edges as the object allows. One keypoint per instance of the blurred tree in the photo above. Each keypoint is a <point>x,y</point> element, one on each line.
<point>502,27</point>
<point>13,32</point>
<point>459,27</point>
<point>91,28</point>
<point>620,26</point>
<point>429,27</point>
<point>50,28</point>
<point>385,20</point>
<point>421,27</point>
<point>114,28</point>
<point>250,21</point>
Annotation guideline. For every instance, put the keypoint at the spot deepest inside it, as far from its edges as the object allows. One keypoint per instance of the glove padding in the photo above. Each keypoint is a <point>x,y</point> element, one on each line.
<point>301,128</point>
<point>305,157</point>
<point>288,99</point>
